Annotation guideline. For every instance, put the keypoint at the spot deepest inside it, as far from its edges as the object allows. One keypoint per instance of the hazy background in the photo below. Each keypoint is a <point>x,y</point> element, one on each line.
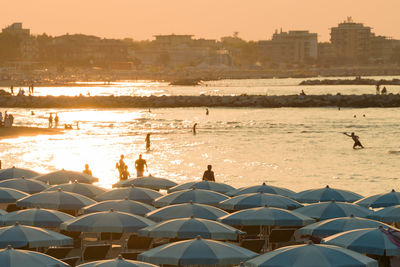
<point>253,19</point>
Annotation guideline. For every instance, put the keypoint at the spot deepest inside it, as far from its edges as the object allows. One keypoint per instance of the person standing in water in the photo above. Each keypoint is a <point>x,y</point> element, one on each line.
<point>207,112</point>
<point>87,170</point>
<point>194,128</point>
<point>51,120</point>
<point>139,165</point>
<point>125,174</point>
<point>120,166</point>
<point>209,174</point>
<point>56,120</point>
<point>356,140</point>
<point>148,142</point>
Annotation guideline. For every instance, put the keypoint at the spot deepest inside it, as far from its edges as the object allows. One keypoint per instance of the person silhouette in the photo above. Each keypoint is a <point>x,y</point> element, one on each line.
<point>356,140</point>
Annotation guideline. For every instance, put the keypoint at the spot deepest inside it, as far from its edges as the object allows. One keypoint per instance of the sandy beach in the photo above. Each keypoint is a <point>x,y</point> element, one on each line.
<point>14,132</point>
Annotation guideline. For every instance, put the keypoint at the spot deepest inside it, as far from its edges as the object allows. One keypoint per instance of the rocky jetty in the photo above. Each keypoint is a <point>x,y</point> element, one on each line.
<point>356,81</point>
<point>357,101</point>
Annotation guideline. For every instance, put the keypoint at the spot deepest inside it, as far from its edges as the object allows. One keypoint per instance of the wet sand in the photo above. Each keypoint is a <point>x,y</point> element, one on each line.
<point>15,132</point>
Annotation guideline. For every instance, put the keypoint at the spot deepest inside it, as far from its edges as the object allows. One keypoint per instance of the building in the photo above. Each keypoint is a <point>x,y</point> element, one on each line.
<point>289,47</point>
<point>16,29</point>
<point>382,49</point>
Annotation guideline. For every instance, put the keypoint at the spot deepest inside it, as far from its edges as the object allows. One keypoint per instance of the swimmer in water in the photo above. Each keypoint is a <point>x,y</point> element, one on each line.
<point>194,128</point>
<point>355,139</point>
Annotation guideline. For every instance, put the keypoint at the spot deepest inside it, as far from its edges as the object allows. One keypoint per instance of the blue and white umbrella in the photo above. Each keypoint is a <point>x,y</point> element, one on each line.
<point>84,189</point>
<point>389,214</point>
<point>186,228</point>
<point>186,210</point>
<point>140,194</point>
<point>20,236</point>
<point>374,241</point>
<point>261,199</point>
<point>107,221</point>
<point>338,225</point>
<point>310,255</point>
<point>17,173</point>
<point>265,216</point>
<point>381,200</point>
<point>58,200</point>
<point>28,186</point>
<point>270,189</point>
<point>333,209</point>
<point>10,257</point>
<point>37,217</point>
<point>9,195</point>
<point>118,262</point>
<point>64,177</point>
<point>197,252</point>
<point>326,194</point>
<point>207,185</point>
<point>201,196</point>
<point>150,182</point>
<point>126,205</point>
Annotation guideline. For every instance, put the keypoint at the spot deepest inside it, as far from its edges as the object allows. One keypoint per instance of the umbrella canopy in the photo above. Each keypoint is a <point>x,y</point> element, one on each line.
<point>310,255</point>
<point>118,262</point>
<point>20,236</point>
<point>326,194</point>
<point>126,205</point>
<point>186,210</point>
<point>16,173</point>
<point>338,225</point>
<point>201,196</point>
<point>37,217</point>
<point>58,200</point>
<point>87,190</point>
<point>333,209</point>
<point>2,212</point>
<point>262,188</point>
<point>10,257</point>
<point>207,185</point>
<point>9,195</point>
<point>63,177</point>
<point>260,199</point>
<point>186,228</point>
<point>266,216</point>
<point>390,214</point>
<point>374,241</point>
<point>381,200</point>
<point>29,186</point>
<point>147,182</point>
<point>107,221</point>
<point>197,252</point>
<point>140,194</point>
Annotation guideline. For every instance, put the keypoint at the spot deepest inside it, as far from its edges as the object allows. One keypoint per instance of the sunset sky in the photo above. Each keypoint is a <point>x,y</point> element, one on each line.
<point>253,19</point>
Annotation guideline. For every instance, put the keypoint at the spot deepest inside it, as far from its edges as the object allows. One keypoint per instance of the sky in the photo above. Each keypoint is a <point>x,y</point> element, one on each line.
<point>211,19</point>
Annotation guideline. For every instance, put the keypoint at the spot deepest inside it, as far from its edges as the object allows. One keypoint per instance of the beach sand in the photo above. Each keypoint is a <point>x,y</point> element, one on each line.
<point>15,132</point>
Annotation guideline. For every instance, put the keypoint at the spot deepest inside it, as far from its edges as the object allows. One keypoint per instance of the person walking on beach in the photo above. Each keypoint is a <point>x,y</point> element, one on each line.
<point>125,174</point>
<point>356,140</point>
<point>87,170</point>
<point>120,166</point>
<point>194,128</point>
<point>148,142</point>
<point>139,165</point>
<point>51,120</point>
<point>209,174</point>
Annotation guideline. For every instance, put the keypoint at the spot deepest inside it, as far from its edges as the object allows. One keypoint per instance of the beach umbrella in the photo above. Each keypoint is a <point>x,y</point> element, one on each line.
<point>63,177</point>
<point>37,217</point>
<point>10,257</point>
<point>333,209</point>
<point>58,200</point>
<point>140,194</point>
<point>381,200</point>
<point>390,214</point>
<point>83,189</point>
<point>207,185</point>
<point>326,194</point>
<point>20,236</point>
<point>29,186</point>
<point>14,172</point>
<point>374,241</point>
<point>186,228</point>
<point>266,216</point>
<point>312,255</point>
<point>186,210</point>
<point>260,199</point>
<point>150,182</point>
<point>107,221</point>
<point>9,195</point>
<point>126,205</point>
<point>261,188</point>
<point>2,212</point>
<point>118,262</point>
<point>201,196</point>
<point>337,225</point>
<point>197,251</point>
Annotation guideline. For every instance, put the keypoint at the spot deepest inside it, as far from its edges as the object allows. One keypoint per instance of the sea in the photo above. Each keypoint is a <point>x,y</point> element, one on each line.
<point>294,148</point>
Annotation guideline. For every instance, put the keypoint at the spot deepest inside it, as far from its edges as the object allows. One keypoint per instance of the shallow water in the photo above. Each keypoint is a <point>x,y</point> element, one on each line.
<point>296,148</point>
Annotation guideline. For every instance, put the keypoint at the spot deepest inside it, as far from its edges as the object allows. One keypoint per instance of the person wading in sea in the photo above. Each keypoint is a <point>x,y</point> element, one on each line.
<point>139,165</point>
<point>194,128</point>
<point>356,140</point>
<point>209,174</point>
<point>120,166</point>
<point>148,142</point>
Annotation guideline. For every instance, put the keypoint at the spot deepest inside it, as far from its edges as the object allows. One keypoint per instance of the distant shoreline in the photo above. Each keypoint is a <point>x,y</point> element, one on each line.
<point>17,131</point>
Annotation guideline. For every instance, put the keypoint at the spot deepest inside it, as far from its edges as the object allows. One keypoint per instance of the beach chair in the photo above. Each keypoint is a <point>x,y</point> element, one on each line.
<point>255,245</point>
<point>95,252</point>
<point>130,255</point>
<point>76,236</point>
<point>72,261</point>
<point>252,231</point>
<point>139,242</point>
<point>110,236</point>
<point>280,236</point>
<point>12,207</point>
<point>59,252</point>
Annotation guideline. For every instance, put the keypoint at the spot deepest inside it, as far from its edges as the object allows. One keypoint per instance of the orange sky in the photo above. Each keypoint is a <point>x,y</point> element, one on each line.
<point>253,19</point>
